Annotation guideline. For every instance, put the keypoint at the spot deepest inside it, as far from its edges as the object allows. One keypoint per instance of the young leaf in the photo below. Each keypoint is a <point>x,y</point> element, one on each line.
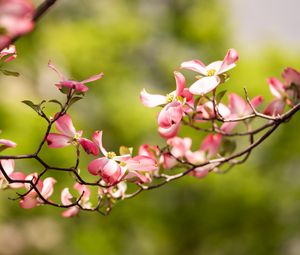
<point>35,107</point>
<point>9,73</point>
<point>220,95</point>
<point>56,102</point>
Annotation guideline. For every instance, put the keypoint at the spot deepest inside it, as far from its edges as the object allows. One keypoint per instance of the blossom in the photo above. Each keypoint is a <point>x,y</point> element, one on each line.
<point>8,54</point>
<point>66,199</point>
<point>8,165</point>
<point>16,19</point>
<point>113,168</point>
<point>78,86</point>
<point>68,135</point>
<point>238,108</point>
<point>212,74</point>
<point>4,144</point>
<point>45,189</point>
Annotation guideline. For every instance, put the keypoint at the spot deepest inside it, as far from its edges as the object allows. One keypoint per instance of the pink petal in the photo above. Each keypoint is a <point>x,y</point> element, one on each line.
<point>142,163</point>
<point>171,114</point>
<point>229,61</point>
<point>214,66</point>
<point>275,108</point>
<point>194,65</point>
<point>196,157</point>
<point>169,132</point>
<point>205,85</point>
<point>61,76</point>
<point>65,125</point>
<point>97,165</point>
<point>80,87</point>
<point>70,212</point>
<point>237,105</point>
<point>179,146</point>
<point>9,53</point>
<point>28,202</point>
<point>83,190</point>
<point>8,166</point>
<point>97,139</point>
<point>168,161</point>
<point>66,197</point>
<point>17,176</point>
<point>201,172</point>
<point>137,177</point>
<point>148,150</point>
<point>8,143</point>
<point>180,83</point>
<point>48,187</point>
<point>151,100</point>
<point>256,101</point>
<point>211,144</point>
<point>58,140</point>
<point>276,87</point>
<point>89,146</point>
<point>290,75</point>
<point>93,78</point>
<point>227,127</point>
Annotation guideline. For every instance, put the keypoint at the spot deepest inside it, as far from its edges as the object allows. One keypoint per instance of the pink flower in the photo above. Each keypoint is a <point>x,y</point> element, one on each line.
<point>211,73</point>
<point>78,86</point>
<point>179,146</point>
<point>113,168</point>
<point>45,188</point>
<point>66,199</point>
<point>16,19</point>
<point>8,54</point>
<point>8,166</point>
<point>118,191</point>
<point>211,144</point>
<point>68,135</point>
<point>150,151</point>
<point>239,108</point>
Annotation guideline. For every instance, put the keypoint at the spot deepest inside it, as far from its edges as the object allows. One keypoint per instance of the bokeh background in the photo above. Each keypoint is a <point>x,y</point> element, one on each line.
<point>254,209</point>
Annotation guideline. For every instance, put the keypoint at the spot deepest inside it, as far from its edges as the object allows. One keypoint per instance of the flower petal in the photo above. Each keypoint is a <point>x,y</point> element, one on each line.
<point>229,61</point>
<point>8,143</point>
<point>142,163</point>
<point>65,125</point>
<point>171,114</point>
<point>291,76</point>
<point>66,197</point>
<point>50,65</point>
<point>28,202</point>
<point>194,65</point>
<point>276,87</point>
<point>70,212</point>
<point>89,146</point>
<point>93,78</point>
<point>48,187</point>
<point>204,85</point>
<point>97,139</point>
<point>8,166</point>
<point>58,140</point>
<point>151,100</point>
<point>275,108</point>
<point>180,83</point>
<point>169,132</point>
<point>211,144</point>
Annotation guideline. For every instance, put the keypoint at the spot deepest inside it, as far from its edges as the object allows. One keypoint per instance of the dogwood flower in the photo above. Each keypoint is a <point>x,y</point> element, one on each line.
<point>45,188</point>
<point>113,168</point>
<point>68,135</point>
<point>66,199</point>
<point>212,74</point>
<point>78,86</point>
<point>8,54</point>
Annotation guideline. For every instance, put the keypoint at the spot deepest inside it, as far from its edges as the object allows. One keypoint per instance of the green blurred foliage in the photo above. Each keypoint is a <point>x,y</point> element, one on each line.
<point>254,209</point>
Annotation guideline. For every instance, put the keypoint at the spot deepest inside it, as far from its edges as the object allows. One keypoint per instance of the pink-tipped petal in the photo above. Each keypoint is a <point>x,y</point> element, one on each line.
<point>17,176</point>
<point>194,65</point>
<point>142,163</point>
<point>168,161</point>
<point>179,146</point>
<point>28,202</point>
<point>97,139</point>
<point>66,197</point>
<point>196,157</point>
<point>169,132</point>
<point>70,212</point>
<point>275,108</point>
<point>276,87</point>
<point>148,150</point>
<point>180,83</point>
<point>229,61</point>
<point>9,53</point>
<point>7,143</point>
<point>151,100</point>
<point>135,176</point>
<point>65,125</point>
<point>290,75</point>
<point>48,187</point>
<point>89,146</point>
<point>8,166</point>
<point>171,114</point>
<point>61,76</point>
<point>93,78</point>
<point>211,144</point>
<point>205,85</point>
<point>237,105</point>
<point>83,191</point>
<point>58,140</point>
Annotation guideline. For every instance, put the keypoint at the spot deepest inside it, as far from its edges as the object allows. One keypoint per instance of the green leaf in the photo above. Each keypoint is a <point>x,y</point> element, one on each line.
<point>220,95</point>
<point>56,102</point>
<point>74,100</point>
<point>9,73</point>
<point>33,106</point>
<point>125,150</point>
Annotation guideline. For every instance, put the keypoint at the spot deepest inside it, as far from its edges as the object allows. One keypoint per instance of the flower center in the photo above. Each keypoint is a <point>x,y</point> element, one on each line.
<point>170,98</point>
<point>211,72</point>
<point>111,154</point>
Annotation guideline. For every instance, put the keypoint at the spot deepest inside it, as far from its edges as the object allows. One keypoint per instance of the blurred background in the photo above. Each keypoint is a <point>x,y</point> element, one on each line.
<point>254,209</point>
